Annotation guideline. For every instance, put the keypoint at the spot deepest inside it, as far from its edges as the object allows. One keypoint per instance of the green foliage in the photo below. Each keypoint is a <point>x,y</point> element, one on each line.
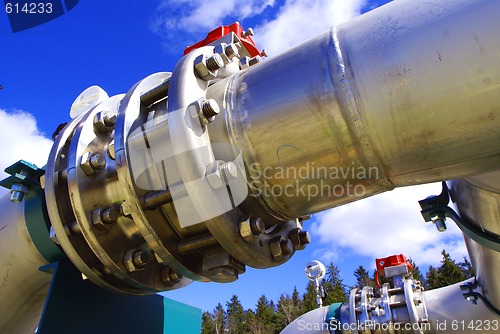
<point>448,273</point>
<point>235,316</point>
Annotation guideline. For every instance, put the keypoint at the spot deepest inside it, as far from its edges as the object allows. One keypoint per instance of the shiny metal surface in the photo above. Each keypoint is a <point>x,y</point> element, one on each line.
<point>22,286</point>
<point>403,95</point>
<point>478,202</point>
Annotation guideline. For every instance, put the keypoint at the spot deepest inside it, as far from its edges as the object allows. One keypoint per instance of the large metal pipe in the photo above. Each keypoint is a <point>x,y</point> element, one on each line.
<point>404,95</point>
<point>22,286</point>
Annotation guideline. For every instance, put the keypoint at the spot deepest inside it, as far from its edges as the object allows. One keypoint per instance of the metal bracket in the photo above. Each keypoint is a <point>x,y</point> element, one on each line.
<point>24,176</point>
<point>438,206</point>
<point>473,296</point>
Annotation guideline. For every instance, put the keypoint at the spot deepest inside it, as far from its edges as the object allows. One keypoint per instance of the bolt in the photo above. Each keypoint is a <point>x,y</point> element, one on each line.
<point>143,140</point>
<point>210,108</point>
<point>219,173</point>
<point>251,227</point>
<point>156,94</point>
<point>111,150</point>
<point>194,244</point>
<point>255,60</point>
<point>248,33</point>
<point>440,222</point>
<point>280,248</point>
<point>246,62</point>
<point>299,238</point>
<point>17,192</point>
<point>222,274</point>
<point>206,67</point>
<point>231,51</point>
<point>154,199</point>
<point>92,163</point>
<point>257,225</point>
<point>135,259</point>
<point>169,277</point>
<point>125,210</point>
<point>104,121</point>
<point>263,53</point>
<point>103,219</point>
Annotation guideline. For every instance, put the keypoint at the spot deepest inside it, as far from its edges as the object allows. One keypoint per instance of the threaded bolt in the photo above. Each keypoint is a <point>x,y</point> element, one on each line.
<point>144,139</point>
<point>229,170</point>
<point>140,259</point>
<point>156,94</point>
<point>254,60</point>
<point>257,225</point>
<point>248,33</point>
<point>197,243</point>
<point>210,108</point>
<point>169,276</point>
<point>156,198</point>
<point>231,51</point>
<point>214,62</point>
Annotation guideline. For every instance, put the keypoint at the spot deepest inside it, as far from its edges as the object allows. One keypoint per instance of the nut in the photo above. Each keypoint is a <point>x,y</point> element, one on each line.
<point>299,238</point>
<point>135,259</point>
<point>206,67</point>
<point>103,219</point>
<point>17,192</point>
<point>219,172</point>
<point>251,227</point>
<point>125,210</point>
<point>222,274</point>
<point>92,163</point>
<point>104,122</point>
<point>227,52</point>
<point>111,150</point>
<point>280,248</point>
<point>169,277</point>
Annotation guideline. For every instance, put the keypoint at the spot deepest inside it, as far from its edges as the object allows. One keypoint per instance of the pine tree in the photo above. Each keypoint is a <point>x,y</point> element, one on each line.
<point>415,273</point>
<point>467,268</point>
<point>219,319</point>
<point>363,278</point>
<point>309,298</point>
<point>236,317</point>
<point>333,286</point>
<point>288,309</point>
<point>265,312</point>
<point>448,273</point>
<point>207,323</point>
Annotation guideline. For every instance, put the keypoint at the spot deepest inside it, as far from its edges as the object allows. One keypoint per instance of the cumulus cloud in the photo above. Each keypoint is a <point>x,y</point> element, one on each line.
<point>21,139</point>
<point>386,224</point>
<point>290,23</point>
<point>299,20</point>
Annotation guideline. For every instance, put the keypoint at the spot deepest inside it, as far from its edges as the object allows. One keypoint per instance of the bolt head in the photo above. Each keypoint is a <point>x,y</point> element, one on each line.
<point>222,274</point>
<point>214,175</point>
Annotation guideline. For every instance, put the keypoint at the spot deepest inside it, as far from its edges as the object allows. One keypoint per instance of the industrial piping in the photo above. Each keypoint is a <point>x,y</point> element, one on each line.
<point>176,180</point>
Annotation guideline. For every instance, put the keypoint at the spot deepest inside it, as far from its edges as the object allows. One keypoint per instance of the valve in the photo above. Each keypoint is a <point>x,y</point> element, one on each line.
<point>395,267</point>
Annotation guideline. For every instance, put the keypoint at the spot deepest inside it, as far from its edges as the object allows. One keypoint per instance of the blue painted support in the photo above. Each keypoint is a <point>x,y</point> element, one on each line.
<point>78,306</point>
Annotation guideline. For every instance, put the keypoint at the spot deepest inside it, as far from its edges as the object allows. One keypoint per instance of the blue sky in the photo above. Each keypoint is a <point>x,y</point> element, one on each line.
<point>116,43</point>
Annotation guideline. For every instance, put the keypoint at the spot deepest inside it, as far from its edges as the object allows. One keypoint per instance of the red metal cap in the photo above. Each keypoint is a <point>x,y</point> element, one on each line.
<point>222,31</point>
<point>390,261</point>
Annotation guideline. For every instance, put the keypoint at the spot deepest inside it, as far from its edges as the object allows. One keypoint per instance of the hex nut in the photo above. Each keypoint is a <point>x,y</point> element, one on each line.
<point>135,260</point>
<point>214,175</point>
<point>104,122</point>
<point>125,209</point>
<point>169,277</point>
<point>227,52</point>
<point>17,192</point>
<point>222,274</point>
<point>280,248</point>
<point>103,219</point>
<point>299,238</point>
<point>206,67</point>
<point>92,163</point>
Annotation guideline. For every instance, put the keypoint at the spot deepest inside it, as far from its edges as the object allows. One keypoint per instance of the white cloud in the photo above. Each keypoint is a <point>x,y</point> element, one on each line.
<point>21,139</point>
<point>299,20</point>
<point>295,21</point>
<point>386,224</point>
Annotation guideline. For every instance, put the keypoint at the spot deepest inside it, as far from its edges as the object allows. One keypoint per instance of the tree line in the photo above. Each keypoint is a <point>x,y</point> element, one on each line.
<point>270,317</point>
